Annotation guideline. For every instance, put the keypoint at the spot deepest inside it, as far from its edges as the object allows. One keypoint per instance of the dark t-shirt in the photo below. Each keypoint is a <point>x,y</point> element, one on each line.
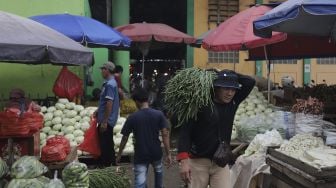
<point>146,125</point>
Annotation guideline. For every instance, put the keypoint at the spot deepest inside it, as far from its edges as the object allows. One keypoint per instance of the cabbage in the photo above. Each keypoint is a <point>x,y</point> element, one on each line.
<point>73,144</point>
<point>77,125</point>
<point>50,136</point>
<point>46,129</point>
<point>43,109</point>
<point>57,127</point>
<point>48,116</point>
<point>66,122</point>
<point>60,106</point>
<point>86,119</point>
<point>79,139</point>
<point>63,100</point>
<point>43,136</point>
<point>78,108</point>
<point>51,109</point>
<point>58,113</point>
<point>79,152</point>
<point>60,133</point>
<point>78,118</point>
<point>69,130</point>
<point>85,126</point>
<point>71,114</point>
<point>52,132</point>
<point>57,120</point>
<point>90,112</point>
<point>70,137</point>
<point>70,105</point>
<point>77,133</point>
<point>83,113</point>
<point>117,129</point>
<point>249,108</point>
<point>48,124</point>
<point>73,121</point>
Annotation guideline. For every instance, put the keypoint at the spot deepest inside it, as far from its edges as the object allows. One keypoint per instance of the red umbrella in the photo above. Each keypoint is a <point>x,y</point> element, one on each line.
<point>144,34</point>
<point>236,33</point>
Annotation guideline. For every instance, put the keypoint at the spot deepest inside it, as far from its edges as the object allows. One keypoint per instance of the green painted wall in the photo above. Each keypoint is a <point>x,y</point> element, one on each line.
<point>190,31</point>
<point>38,80</point>
<point>121,16</point>
<point>306,71</point>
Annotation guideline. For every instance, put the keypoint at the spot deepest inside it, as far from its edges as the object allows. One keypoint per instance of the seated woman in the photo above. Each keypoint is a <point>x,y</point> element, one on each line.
<point>18,103</point>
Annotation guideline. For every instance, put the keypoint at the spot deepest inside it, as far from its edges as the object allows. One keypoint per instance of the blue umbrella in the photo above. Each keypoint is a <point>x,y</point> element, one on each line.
<point>307,17</point>
<point>85,30</point>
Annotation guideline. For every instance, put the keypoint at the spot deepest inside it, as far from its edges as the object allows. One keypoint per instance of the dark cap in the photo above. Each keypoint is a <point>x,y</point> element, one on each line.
<point>109,66</point>
<point>17,93</point>
<point>227,79</point>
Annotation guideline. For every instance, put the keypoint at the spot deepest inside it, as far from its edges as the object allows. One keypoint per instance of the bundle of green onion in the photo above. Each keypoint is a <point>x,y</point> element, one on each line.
<point>187,92</point>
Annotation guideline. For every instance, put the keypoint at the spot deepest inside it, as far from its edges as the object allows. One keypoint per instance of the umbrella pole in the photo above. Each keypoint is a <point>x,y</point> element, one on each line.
<point>268,76</point>
<point>143,71</point>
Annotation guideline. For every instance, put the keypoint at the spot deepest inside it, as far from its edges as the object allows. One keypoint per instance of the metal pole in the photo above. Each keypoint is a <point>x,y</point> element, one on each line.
<point>143,71</point>
<point>268,76</point>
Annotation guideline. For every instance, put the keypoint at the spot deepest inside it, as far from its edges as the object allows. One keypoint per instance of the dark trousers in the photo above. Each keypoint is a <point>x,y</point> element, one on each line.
<point>107,157</point>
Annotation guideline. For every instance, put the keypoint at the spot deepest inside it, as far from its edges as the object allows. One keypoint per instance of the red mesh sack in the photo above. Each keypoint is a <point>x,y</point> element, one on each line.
<point>53,153</point>
<point>91,140</point>
<point>33,120</point>
<point>11,125</point>
<point>68,85</point>
<point>60,141</point>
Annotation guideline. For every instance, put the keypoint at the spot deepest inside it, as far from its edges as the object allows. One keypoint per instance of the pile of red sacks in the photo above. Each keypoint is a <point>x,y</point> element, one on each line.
<point>14,124</point>
<point>56,149</point>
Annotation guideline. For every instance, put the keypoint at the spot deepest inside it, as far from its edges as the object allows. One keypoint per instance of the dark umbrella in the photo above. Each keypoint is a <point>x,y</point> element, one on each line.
<point>308,17</point>
<point>25,41</point>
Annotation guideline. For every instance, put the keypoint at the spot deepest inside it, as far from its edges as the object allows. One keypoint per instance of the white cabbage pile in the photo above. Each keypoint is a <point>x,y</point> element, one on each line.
<point>129,148</point>
<point>255,106</point>
<point>66,119</point>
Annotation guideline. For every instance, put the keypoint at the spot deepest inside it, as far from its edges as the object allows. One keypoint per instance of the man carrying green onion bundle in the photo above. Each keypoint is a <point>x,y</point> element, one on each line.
<point>199,139</point>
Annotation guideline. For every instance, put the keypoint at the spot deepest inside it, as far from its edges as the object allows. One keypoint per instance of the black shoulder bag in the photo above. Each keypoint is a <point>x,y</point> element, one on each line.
<point>223,154</point>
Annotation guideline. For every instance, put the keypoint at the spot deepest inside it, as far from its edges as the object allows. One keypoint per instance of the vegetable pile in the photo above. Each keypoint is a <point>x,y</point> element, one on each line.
<point>310,106</point>
<point>254,116</point>
<point>3,168</point>
<point>261,141</point>
<point>66,119</point>
<point>129,148</point>
<point>310,150</point>
<point>187,92</point>
<point>76,175</point>
<point>297,145</point>
<point>110,177</point>
<point>27,172</point>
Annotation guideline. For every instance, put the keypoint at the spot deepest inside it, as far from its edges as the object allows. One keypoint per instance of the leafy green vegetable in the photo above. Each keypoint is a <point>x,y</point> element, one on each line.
<point>187,92</point>
<point>110,177</point>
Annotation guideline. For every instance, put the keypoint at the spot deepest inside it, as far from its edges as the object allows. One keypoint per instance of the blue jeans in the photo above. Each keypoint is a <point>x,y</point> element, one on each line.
<point>140,173</point>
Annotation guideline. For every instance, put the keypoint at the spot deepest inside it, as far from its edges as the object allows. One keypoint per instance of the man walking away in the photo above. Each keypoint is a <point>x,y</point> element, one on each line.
<point>107,114</point>
<point>146,124</point>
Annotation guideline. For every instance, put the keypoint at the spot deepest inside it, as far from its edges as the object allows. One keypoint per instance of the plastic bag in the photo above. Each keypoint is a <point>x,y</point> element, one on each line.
<point>55,183</point>
<point>68,85</point>
<point>27,167</point>
<point>76,175</point>
<point>59,141</point>
<point>306,123</point>
<point>3,168</point>
<point>26,183</point>
<point>91,140</point>
<point>53,153</point>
